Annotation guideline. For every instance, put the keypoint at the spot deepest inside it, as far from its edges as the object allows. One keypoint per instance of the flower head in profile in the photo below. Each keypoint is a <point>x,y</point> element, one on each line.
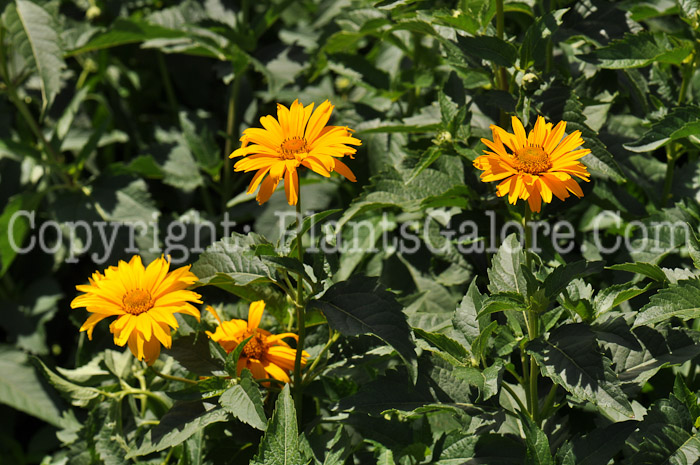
<point>143,299</point>
<point>298,136</point>
<point>536,166</point>
<point>266,355</point>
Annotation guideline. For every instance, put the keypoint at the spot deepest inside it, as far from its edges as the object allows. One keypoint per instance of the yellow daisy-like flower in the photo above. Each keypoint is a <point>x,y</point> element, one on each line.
<point>143,300</point>
<point>299,136</point>
<point>538,165</point>
<point>266,355</point>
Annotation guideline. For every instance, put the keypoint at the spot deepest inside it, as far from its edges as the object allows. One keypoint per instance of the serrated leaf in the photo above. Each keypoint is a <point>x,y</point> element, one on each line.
<point>361,306</point>
<point>179,423</point>
<point>426,159</point>
<point>280,445</point>
<point>126,31</point>
<point>231,261</point>
<point>45,45</point>
<point>680,301</point>
<point>21,387</point>
<point>645,269</point>
<point>693,245</point>
<point>638,50</point>
<point>465,318</point>
<point>538,451</point>
<point>570,356</point>
<point>231,362</point>
<point>612,296</point>
<point>444,343</point>
<point>505,274</point>
<point>489,48</point>
<point>244,402</point>
<point>665,436</point>
<point>600,445</point>
<point>78,395</point>
<point>503,302</point>
<point>192,352</point>
<point>560,277</point>
<point>679,123</point>
<point>533,48</point>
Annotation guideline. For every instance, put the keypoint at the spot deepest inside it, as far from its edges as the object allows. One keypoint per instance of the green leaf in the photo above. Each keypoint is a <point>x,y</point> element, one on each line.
<point>538,451</point>
<point>465,318</point>
<point>280,445</point>
<point>638,50</point>
<point>480,344</point>
<point>231,363</point>
<point>16,225</point>
<point>78,395</point>
<point>600,445</point>
<point>489,48</point>
<point>665,436</point>
<point>244,402</point>
<point>534,46</point>
<point>570,356</point>
<point>427,158</point>
<point>391,188</point>
<point>645,269</point>
<point>688,397</point>
<point>21,387</point>
<point>505,274</point>
<point>444,343</point>
<point>192,352</point>
<point>231,260</point>
<point>361,306</point>
<point>680,301</point>
<point>126,31</point>
<point>503,302</point>
<point>614,295</point>
<point>679,123</point>
<point>693,245</point>
<point>560,277</point>
<point>180,423</point>
<point>45,44</point>
<point>639,353</point>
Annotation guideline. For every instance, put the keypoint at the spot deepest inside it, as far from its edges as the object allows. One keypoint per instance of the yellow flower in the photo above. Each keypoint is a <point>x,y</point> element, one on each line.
<point>144,301</point>
<point>266,355</point>
<point>299,136</point>
<point>538,165</point>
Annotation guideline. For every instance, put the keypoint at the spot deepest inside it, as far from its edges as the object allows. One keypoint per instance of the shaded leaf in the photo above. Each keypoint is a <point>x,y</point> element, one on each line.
<point>570,356</point>
<point>361,306</point>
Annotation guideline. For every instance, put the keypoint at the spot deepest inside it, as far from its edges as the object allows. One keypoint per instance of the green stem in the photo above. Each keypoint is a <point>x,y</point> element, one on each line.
<point>167,83</point>
<point>533,326</point>
<point>671,151</point>
<point>53,157</point>
<point>515,397</point>
<point>301,328</point>
<point>332,337</point>
<point>546,8</point>
<point>501,74</point>
<point>549,402</point>
<point>227,188</point>
<point>172,378</point>
<point>670,167</point>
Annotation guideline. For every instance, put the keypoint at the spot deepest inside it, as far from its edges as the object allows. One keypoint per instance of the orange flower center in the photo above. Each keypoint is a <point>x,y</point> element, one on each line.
<point>532,159</point>
<point>290,147</point>
<point>137,301</point>
<point>255,347</point>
